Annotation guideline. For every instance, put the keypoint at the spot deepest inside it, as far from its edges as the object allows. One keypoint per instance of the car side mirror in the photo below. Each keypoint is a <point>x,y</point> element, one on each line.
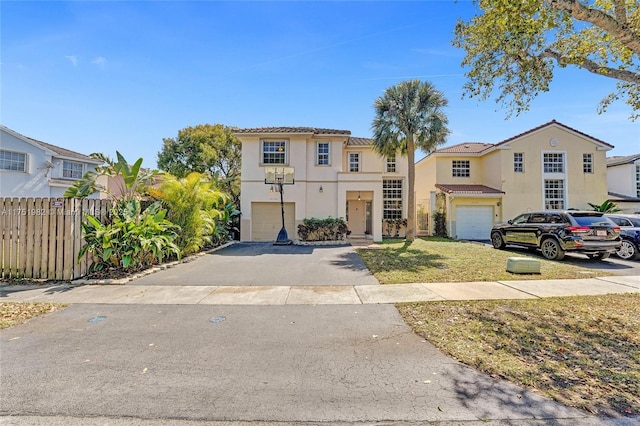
<point>510,222</point>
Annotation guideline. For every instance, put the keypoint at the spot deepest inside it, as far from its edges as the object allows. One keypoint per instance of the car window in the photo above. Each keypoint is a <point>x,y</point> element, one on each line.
<point>537,218</point>
<point>621,221</point>
<point>635,221</point>
<point>520,219</point>
<point>555,218</point>
<point>588,220</point>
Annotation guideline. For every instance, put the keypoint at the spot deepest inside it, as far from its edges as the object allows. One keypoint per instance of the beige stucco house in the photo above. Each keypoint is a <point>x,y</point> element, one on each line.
<point>552,166</point>
<point>336,175</point>
<point>623,182</point>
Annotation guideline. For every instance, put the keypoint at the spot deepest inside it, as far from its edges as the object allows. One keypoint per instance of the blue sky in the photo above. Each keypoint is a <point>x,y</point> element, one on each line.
<point>117,75</point>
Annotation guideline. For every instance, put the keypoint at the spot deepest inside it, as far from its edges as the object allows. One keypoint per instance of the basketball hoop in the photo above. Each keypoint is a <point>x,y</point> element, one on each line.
<point>280,176</point>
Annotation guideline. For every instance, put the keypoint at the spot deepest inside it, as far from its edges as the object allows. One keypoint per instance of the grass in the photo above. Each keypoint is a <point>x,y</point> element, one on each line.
<point>13,313</point>
<point>443,260</point>
<point>581,351</point>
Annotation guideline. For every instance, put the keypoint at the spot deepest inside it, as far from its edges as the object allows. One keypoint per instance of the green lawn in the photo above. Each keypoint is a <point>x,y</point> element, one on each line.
<point>442,260</point>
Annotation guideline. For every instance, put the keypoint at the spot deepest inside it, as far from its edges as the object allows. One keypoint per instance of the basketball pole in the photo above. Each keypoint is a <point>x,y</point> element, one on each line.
<point>283,237</point>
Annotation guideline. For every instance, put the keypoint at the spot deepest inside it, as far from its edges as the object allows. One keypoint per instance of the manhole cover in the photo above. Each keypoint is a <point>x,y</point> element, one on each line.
<point>97,319</point>
<point>217,319</point>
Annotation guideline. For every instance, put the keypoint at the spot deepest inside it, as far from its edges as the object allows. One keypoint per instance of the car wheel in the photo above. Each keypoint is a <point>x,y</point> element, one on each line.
<point>628,251</point>
<point>598,256</point>
<point>497,241</point>
<point>551,249</point>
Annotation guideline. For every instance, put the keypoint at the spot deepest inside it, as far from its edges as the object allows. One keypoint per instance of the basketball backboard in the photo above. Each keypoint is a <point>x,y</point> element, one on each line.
<point>279,175</point>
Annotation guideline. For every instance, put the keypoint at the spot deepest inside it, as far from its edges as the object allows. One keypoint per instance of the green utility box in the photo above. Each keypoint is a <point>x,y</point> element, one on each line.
<point>523,265</point>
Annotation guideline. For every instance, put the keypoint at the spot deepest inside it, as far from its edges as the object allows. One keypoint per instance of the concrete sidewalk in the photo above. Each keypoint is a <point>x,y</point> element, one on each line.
<point>317,295</point>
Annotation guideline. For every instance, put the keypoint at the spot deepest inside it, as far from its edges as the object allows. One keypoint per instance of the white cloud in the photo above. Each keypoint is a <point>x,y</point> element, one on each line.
<point>100,61</point>
<point>73,59</point>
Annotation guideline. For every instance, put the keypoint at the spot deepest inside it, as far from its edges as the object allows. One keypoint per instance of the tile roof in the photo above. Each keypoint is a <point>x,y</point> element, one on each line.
<point>466,148</point>
<point>621,197</point>
<point>359,141</point>
<point>618,160</point>
<point>549,124</point>
<point>468,189</point>
<point>312,130</point>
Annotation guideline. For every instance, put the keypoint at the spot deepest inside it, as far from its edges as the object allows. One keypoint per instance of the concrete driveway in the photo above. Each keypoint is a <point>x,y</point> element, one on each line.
<point>263,264</point>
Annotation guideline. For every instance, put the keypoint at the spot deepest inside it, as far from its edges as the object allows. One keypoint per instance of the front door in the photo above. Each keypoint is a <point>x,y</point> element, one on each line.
<point>357,217</point>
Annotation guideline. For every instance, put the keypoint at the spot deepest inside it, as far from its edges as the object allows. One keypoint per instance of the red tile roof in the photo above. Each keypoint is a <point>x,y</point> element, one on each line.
<point>312,130</point>
<point>468,189</point>
<point>466,148</point>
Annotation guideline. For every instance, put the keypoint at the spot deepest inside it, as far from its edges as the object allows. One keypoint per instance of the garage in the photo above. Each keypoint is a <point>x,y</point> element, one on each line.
<point>266,221</point>
<point>474,222</point>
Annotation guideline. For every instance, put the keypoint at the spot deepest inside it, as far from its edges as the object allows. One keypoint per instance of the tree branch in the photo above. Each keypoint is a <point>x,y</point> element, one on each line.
<point>619,30</point>
<point>620,10</point>
<point>595,68</point>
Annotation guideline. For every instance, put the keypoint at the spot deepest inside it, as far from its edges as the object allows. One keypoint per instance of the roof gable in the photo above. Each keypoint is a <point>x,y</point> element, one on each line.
<point>554,123</point>
<point>51,149</point>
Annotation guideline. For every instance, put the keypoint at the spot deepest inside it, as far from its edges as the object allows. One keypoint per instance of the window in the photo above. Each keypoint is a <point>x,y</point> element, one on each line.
<point>354,161</point>
<point>71,170</point>
<point>322,149</point>
<point>391,163</point>
<point>392,199</point>
<point>518,162</point>
<point>587,163</point>
<point>13,161</point>
<point>553,162</point>
<point>460,168</point>
<point>638,180</point>
<point>274,152</point>
<point>554,194</point>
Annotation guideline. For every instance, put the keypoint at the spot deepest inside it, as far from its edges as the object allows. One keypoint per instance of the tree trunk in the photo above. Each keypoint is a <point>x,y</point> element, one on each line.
<point>411,202</point>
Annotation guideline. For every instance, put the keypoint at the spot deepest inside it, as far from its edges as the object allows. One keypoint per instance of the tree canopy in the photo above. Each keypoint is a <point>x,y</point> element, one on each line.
<point>409,115</point>
<point>513,46</point>
<point>205,148</point>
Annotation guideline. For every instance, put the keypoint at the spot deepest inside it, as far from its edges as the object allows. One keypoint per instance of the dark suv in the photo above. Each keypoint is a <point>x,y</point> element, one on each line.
<point>555,232</point>
<point>630,232</point>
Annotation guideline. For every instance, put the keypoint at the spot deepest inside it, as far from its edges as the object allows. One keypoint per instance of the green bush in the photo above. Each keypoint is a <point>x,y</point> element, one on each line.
<point>329,229</point>
<point>392,227</point>
<point>130,238</point>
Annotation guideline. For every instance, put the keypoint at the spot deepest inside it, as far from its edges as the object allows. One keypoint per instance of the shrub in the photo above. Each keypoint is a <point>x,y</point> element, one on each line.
<point>131,238</point>
<point>329,229</point>
<point>440,220</point>
<point>392,227</point>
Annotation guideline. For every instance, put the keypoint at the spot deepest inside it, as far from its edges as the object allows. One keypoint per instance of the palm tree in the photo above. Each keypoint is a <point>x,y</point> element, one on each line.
<point>408,116</point>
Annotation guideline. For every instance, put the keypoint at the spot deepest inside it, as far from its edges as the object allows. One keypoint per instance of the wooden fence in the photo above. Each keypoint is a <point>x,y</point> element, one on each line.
<point>41,237</point>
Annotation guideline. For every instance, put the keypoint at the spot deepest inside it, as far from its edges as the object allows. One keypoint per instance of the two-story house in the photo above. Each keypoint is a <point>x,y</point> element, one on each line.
<point>336,175</point>
<point>623,182</point>
<point>32,168</point>
<point>552,166</point>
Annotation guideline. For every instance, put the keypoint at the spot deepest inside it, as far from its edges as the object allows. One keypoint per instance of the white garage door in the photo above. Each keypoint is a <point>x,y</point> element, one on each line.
<point>266,221</point>
<point>474,222</point>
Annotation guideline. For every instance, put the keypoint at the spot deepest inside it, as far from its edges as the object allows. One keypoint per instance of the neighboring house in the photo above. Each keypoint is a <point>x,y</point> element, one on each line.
<point>32,168</point>
<point>623,182</point>
<point>336,175</point>
<point>552,166</point>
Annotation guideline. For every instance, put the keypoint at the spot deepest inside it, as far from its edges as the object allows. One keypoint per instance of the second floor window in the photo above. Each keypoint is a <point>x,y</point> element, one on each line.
<point>390,166</point>
<point>553,162</point>
<point>587,163</point>
<point>323,154</point>
<point>274,152</point>
<point>518,162</point>
<point>461,168</point>
<point>72,170</point>
<point>354,161</point>
<point>13,161</point>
